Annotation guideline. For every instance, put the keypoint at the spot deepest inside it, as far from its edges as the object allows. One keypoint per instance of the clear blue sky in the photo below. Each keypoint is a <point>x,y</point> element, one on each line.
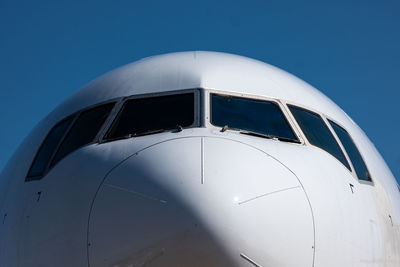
<point>350,50</point>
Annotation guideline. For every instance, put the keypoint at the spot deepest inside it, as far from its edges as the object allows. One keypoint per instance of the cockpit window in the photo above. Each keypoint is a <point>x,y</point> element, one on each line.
<point>251,116</point>
<point>141,116</point>
<point>84,130</point>
<point>352,152</point>
<point>47,149</point>
<point>318,133</point>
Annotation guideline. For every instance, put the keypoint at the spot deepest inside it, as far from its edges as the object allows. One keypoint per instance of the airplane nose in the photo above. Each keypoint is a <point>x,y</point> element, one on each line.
<point>201,201</point>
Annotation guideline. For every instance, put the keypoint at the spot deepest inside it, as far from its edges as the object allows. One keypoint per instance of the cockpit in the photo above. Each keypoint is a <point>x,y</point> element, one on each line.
<point>140,115</point>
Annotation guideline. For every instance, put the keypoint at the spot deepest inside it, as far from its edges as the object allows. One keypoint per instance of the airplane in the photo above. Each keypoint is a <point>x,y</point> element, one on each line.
<point>198,159</point>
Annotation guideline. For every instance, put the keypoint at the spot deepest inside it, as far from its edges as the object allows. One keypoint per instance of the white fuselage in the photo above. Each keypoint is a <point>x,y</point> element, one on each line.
<point>199,196</point>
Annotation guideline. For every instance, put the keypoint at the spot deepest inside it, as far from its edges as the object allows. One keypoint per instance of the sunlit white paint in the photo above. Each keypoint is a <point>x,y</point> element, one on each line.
<point>199,197</point>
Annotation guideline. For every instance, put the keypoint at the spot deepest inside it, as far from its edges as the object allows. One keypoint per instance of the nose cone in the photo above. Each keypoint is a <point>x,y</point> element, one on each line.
<point>201,201</point>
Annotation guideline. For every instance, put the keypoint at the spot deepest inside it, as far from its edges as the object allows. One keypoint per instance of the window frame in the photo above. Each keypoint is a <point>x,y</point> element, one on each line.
<point>325,119</point>
<point>46,168</point>
<point>202,118</point>
<point>118,108</point>
<point>207,110</point>
<point>118,103</point>
<point>75,116</point>
<point>307,142</point>
<point>354,173</point>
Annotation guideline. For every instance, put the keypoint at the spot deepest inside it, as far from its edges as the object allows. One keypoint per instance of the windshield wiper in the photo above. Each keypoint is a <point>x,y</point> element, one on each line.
<point>226,127</point>
<point>147,132</point>
<point>178,128</point>
<point>285,139</point>
<point>117,138</point>
<point>257,134</point>
<point>269,136</point>
<point>131,135</point>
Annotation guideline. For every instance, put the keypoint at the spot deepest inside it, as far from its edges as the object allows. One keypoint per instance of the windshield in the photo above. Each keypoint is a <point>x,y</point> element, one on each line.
<point>259,116</point>
<point>141,116</point>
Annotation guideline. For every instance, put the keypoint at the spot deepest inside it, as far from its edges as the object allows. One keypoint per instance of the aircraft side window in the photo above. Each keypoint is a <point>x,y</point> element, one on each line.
<point>147,115</point>
<point>318,133</point>
<point>352,151</point>
<point>47,149</point>
<point>251,116</point>
<point>83,131</point>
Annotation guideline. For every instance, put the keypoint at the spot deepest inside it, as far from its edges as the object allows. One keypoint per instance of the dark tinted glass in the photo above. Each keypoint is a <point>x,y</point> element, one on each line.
<point>142,115</point>
<point>258,116</point>
<point>47,148</point>
<point>318,133</point>
<point>352,151</point>
<point>84,130</point>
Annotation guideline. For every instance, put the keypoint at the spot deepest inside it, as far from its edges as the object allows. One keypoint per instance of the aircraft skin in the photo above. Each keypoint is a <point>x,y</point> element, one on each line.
<point>199,196</point>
